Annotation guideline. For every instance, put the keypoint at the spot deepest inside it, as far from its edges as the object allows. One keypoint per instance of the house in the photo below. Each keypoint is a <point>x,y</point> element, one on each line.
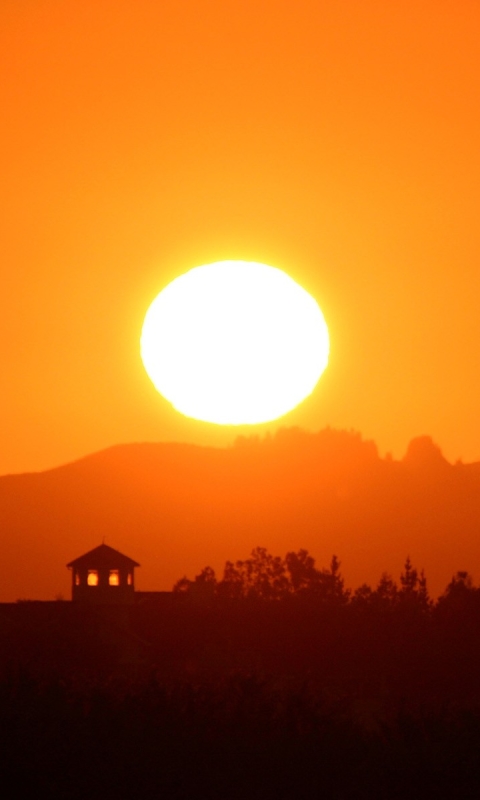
<point>103,576</point>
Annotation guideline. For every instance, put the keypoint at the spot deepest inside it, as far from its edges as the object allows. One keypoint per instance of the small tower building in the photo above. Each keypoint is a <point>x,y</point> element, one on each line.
<point>103,576</point>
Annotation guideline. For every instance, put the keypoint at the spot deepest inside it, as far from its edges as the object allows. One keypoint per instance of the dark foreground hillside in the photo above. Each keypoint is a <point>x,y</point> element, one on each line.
<point>245,738</point>
<point>176,507</point>
<point>372,695</point>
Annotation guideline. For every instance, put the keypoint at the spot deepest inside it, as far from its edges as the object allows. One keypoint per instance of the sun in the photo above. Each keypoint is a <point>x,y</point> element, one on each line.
<point>234,342</point>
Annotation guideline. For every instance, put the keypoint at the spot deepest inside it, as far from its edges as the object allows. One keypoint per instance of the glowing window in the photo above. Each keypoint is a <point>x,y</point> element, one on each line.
<point>92,579</point>
<point>129,578</point>
<point>114,578</point>
<point>77,579</point>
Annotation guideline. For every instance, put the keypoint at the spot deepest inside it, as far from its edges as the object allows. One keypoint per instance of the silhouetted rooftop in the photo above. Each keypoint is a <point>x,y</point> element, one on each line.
<point>103,557</point>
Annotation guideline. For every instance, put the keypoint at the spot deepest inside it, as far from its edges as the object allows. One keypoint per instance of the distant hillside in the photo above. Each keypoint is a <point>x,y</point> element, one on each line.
<point>176,508</point>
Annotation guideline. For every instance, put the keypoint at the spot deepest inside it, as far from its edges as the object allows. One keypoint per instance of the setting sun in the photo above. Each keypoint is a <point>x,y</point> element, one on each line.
<point>234,343</point>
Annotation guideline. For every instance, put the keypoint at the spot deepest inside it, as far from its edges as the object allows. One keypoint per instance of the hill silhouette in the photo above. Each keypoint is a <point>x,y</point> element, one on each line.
<point>177,507</point>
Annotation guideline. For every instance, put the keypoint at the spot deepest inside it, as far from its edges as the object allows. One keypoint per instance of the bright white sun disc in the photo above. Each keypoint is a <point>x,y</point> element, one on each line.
<point>235,342</point>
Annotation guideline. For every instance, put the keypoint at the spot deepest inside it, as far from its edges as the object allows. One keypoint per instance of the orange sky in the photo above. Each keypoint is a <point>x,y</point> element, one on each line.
<point>339,141</point>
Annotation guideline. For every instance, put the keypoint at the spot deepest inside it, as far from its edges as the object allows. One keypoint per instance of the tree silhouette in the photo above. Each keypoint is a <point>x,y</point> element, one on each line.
<point>267,577</point>
<point>302,572</point>
<point>262,576</point>
<point>413,587</point>
<point>459,600</point>
<point>333,585</point>
<point>203,587</point>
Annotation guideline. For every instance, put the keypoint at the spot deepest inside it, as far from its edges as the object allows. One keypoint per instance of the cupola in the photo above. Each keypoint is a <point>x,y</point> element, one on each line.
<point>103,576</point>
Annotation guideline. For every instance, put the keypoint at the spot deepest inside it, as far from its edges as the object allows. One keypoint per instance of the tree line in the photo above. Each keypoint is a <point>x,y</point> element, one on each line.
<point>265,577</point>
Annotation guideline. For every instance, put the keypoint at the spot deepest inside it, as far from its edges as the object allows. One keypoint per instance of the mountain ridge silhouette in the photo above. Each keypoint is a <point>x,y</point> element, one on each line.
<point>176,507</point>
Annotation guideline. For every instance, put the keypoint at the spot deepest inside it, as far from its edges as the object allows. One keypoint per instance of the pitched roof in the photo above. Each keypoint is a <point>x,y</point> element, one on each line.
<point>103,557</point>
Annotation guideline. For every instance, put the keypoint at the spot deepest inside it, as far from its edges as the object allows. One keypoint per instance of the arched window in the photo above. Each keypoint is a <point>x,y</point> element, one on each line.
<point>114,577</point>
<point>92,578</point>
<point>77,579</point>
<point>129,579</point>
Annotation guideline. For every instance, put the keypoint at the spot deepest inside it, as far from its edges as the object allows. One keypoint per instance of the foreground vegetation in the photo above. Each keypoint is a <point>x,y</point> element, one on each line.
<point>243,737</point>
<point>273,682</point>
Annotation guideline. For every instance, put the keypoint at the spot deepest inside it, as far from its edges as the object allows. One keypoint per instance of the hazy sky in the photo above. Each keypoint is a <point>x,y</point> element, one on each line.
<point>337,140</point>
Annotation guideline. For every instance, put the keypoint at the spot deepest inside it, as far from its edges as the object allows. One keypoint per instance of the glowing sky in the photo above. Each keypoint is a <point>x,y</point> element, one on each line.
<point>337,141</point>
